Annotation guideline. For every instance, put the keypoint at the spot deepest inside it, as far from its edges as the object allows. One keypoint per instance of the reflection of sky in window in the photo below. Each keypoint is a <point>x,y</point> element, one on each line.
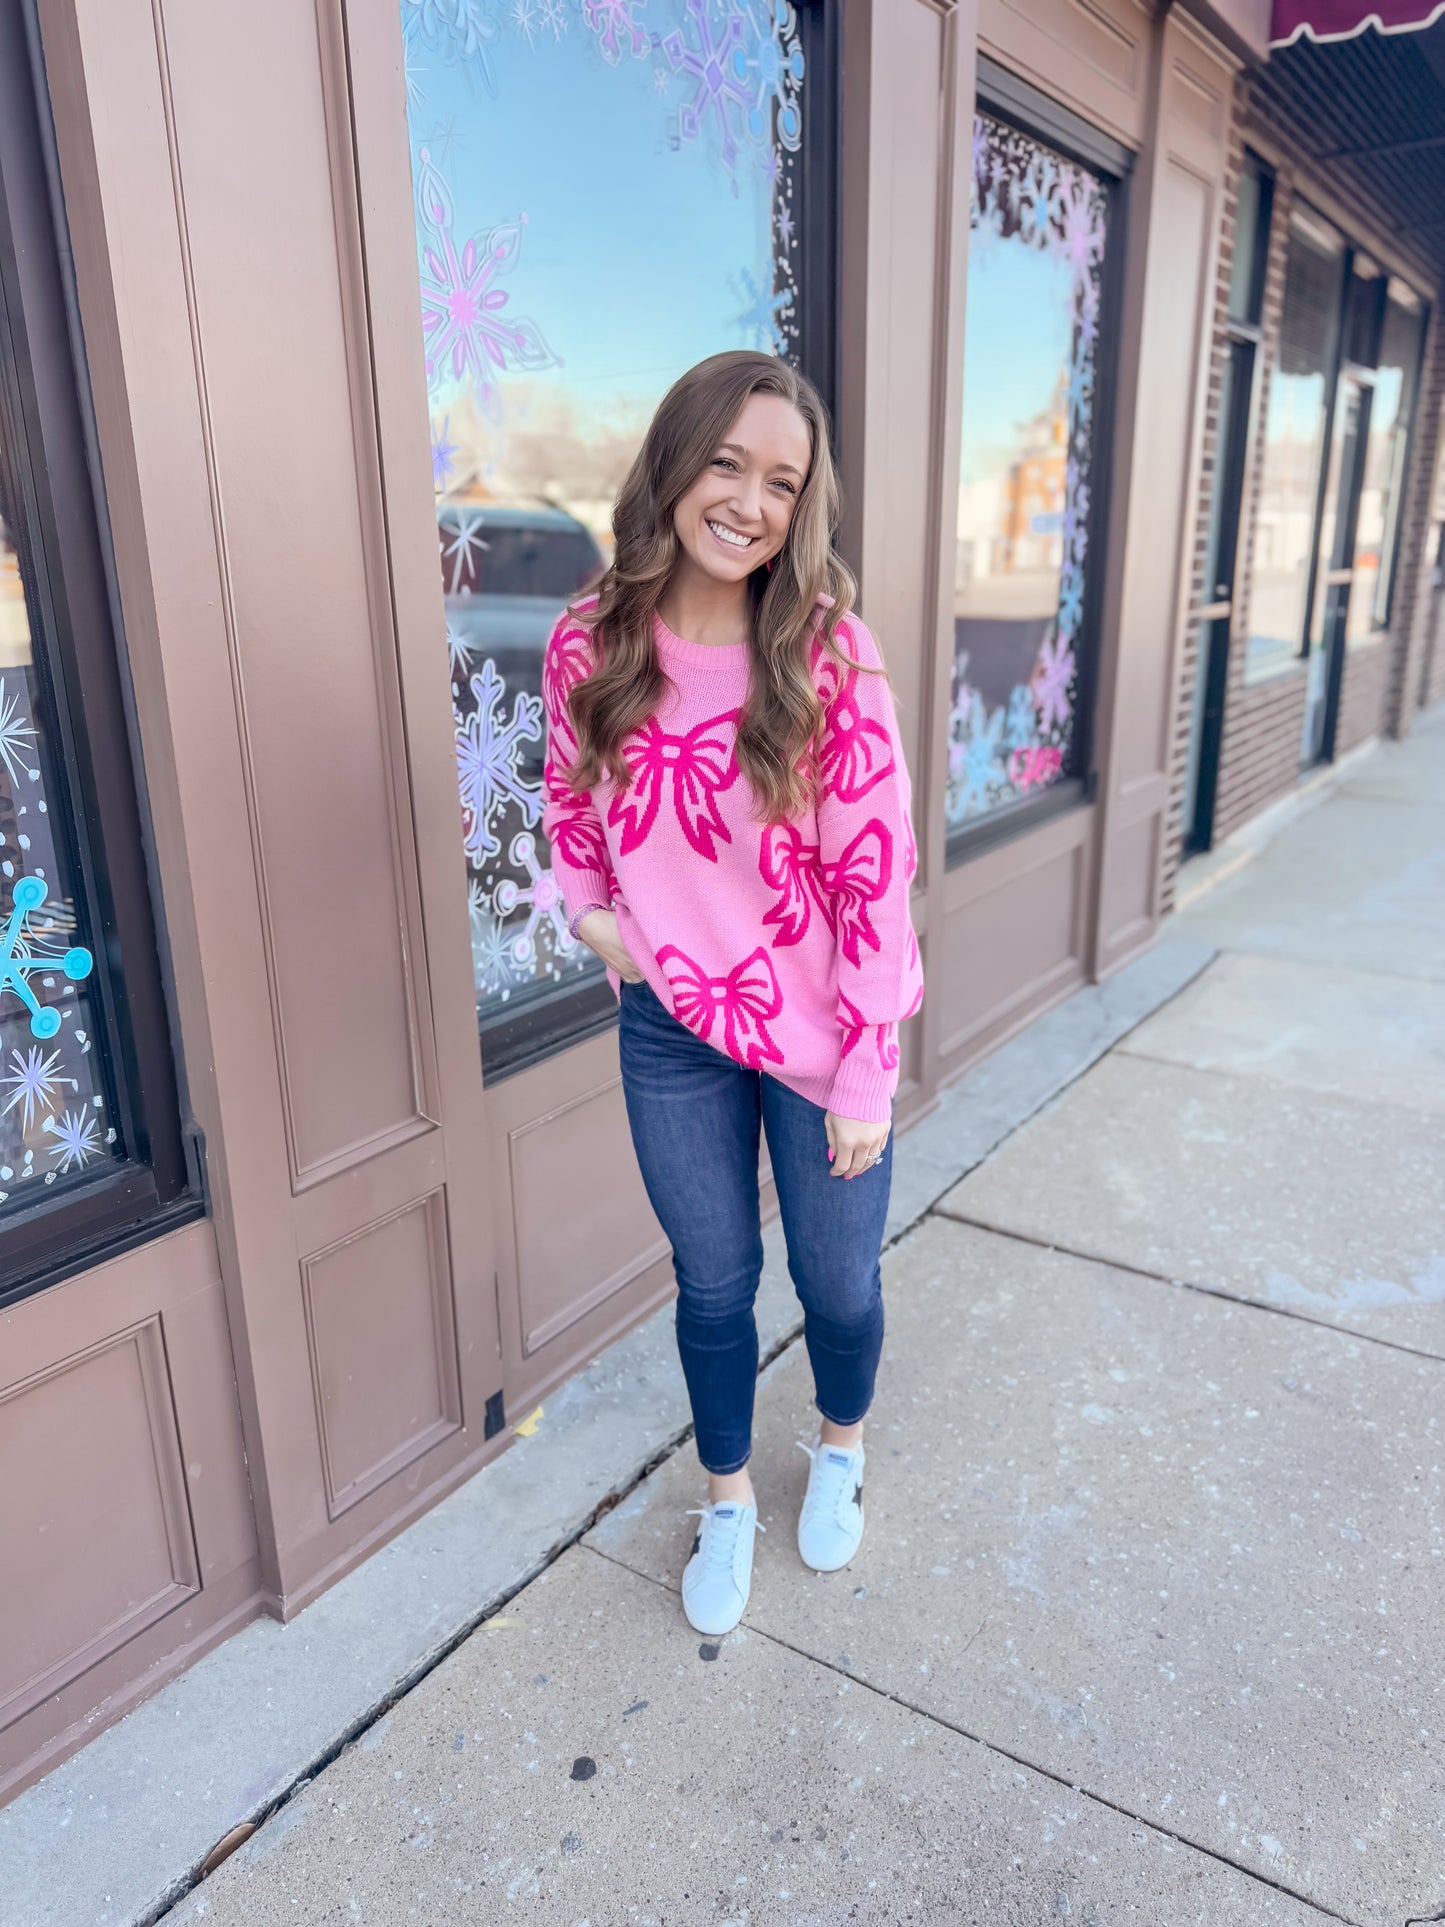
<point>1018,331</point>
<point>633,253</point>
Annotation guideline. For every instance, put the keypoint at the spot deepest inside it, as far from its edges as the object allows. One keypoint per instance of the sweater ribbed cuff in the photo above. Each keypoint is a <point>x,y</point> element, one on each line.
<point>863,1091</point>
<point>583,889</point>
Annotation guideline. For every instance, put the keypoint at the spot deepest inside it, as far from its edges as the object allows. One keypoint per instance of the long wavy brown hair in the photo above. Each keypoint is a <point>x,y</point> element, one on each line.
<point>778,730</point>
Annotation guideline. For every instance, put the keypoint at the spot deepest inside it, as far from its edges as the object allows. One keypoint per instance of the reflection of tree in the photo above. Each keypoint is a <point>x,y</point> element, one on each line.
<point>549,448</point>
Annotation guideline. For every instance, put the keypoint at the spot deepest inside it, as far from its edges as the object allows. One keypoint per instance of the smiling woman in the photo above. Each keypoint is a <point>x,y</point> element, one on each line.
<point>686,122</point>
<point>729,808</point>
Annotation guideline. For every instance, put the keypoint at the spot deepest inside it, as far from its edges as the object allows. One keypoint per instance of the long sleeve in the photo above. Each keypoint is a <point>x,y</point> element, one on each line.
<point>570,819</point>
<point>867,860</point>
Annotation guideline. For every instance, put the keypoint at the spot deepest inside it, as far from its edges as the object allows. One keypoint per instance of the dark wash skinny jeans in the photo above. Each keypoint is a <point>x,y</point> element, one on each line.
<point>695,1118</point>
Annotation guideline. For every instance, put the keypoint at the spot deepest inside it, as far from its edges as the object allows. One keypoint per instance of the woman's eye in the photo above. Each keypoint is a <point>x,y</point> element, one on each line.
<point>787,487</point>
<point>723,461</point>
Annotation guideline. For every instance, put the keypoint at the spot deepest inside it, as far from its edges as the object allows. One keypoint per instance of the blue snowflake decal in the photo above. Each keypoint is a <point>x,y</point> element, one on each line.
<point>489,754</point>
<point>21,957</point>
<point>761,317</point>
<point>777,73</point>
<point>1021,726</point>
<point>978,768</point>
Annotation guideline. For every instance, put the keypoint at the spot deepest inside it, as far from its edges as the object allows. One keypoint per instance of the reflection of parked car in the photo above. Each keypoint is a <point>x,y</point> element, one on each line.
<point>506,573</point>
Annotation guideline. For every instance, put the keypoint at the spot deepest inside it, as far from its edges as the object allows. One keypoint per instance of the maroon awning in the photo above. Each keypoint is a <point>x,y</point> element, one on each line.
<point>1343,19</point>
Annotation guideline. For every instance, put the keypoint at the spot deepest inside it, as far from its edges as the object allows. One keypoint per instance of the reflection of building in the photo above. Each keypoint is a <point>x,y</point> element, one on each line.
<point>1030,534</point>
<point>255,1386</point>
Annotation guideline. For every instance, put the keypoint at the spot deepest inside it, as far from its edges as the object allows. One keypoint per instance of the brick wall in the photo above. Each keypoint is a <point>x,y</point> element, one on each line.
<point>1263,722</point>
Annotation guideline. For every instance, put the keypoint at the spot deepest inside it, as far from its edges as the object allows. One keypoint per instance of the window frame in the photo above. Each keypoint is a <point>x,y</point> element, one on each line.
<point>1410,403</point>
<point>1005,97</point>
<point>1298,660</point>
<point>512,1041</point>
<point>79,663</point>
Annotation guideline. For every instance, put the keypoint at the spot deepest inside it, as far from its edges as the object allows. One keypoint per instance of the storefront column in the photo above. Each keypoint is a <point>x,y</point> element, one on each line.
<point>1174,220</point>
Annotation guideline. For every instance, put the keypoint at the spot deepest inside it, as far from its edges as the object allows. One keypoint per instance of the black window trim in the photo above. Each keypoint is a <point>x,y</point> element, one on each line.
<point>1005,97</point>
<point>80,660</point>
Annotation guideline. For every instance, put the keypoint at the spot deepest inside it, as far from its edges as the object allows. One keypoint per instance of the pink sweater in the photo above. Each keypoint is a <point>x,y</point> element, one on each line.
<point>788,945</point>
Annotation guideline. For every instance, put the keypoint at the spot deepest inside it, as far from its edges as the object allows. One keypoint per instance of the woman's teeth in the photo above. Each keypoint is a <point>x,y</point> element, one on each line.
<point>730,535</point>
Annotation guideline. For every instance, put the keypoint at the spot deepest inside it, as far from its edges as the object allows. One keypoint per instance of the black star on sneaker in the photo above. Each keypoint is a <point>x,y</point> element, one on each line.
<point>858,1494</point>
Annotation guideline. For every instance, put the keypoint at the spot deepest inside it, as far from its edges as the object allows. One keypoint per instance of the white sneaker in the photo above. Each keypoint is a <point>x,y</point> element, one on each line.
<point>716,1578</point>
<point>830,1524</point>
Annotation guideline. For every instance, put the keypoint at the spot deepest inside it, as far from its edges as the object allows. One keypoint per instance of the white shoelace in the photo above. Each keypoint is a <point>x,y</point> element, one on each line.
<point>719,1547</point>
<point>828,1484</point>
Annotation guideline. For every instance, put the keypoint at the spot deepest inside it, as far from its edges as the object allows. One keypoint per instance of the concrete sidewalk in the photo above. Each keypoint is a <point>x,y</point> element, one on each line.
<point>1146,1626</point>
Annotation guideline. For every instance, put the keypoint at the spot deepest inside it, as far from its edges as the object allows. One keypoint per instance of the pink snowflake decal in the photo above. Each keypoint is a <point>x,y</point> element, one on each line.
<point>1052,676</point>
<point>467,336</point>
<point>543,900</point>
<point>612,22</point>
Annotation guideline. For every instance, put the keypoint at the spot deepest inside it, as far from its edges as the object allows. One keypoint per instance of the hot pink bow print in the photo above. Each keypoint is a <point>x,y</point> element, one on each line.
<point>885,1036</point>
<point>576,832</point>
<point>856,753</point>
<point>568,661</point>
<point>860,877</point>
<point>701,766</point>
<point>746,998</point>
<point>791,866</point>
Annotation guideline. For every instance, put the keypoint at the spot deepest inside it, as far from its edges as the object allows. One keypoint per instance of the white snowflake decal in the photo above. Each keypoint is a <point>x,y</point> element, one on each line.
<point>13,731</point>
<point>543,898</point>
<point>75,1139</point>
<point>489,752</point>
<point>33,1081</point>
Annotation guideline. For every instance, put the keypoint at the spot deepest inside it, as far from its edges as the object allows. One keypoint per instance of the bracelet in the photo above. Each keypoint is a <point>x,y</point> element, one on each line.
<point>578,915</point>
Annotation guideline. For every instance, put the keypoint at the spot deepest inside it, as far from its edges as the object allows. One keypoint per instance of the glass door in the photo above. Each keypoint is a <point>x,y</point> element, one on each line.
<point>1335,565</point>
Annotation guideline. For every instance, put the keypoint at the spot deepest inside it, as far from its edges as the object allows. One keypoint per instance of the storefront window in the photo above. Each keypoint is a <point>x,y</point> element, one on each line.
<point>1035,262</point>
<point>55,1122</point>
<point>90,1144</point>
<point>1294,445</point>
<point>1383,478</point>
<point>572,265</point>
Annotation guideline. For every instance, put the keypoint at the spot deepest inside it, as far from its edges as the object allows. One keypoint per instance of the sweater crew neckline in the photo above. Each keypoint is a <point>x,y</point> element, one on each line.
<point>682,649</point>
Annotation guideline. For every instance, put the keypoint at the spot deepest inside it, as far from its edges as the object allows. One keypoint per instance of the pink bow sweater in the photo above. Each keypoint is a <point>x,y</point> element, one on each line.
<point>786,945</point>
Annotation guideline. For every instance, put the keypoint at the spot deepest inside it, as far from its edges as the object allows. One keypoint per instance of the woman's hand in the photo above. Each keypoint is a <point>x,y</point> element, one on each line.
<point>853,1144</point>
<point>598,930</point>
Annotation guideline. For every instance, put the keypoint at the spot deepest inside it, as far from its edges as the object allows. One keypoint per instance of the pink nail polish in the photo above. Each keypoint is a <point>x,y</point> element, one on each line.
<point>830,1157</point>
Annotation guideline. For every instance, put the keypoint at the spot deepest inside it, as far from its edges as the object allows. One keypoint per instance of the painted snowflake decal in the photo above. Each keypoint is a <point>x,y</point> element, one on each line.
<point>443,456</point>
<point>1052,677</point>
<point>1021,725</point>
<point>34,1082</point>
<point>466,333</point>
<point>489,753</point>
<point>776,63</point>
<point>977,767</point>
<point>718,68</point>
<point>21,958</point>
<point>75,1137</point>
<point>761,317</point>
<point>463,29</point>
<point>14,732</point>
<point>543,900</point>
<point>459,652</point>
<point>492,969</point>
<point>612,22</point>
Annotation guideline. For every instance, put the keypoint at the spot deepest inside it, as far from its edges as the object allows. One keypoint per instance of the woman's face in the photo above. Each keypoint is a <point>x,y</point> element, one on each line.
<point>735,517</point>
